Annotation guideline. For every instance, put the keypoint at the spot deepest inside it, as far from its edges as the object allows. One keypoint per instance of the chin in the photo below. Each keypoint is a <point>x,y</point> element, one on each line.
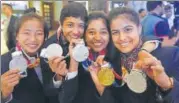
<point>98,49</point>
<point>32,52</point>
<point>122,50</point>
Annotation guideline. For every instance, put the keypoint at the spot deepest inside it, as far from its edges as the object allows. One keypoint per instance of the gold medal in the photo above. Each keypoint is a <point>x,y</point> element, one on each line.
<point>106,76</point>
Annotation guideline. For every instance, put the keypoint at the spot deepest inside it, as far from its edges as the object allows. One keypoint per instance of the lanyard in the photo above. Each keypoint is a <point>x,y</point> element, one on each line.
<point>30,65</point>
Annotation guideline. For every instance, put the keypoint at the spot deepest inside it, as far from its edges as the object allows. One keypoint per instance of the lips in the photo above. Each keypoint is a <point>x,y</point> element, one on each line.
<point>98,44</point>
<point>124,44</point>
<point>32,45</point>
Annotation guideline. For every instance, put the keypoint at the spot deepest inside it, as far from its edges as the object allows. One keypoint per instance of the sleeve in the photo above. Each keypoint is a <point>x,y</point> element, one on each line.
<point>56,83</point>
<point>69,90</point>
<point>162,29</point>
<point>7,100</point>
<point>69,87</point>
<point>173,94</point>
<point>69,76</point>
<point>107,97</point>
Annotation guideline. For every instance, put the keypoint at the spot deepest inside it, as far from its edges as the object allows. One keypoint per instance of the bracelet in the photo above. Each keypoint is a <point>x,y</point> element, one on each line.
<point>171,82</point>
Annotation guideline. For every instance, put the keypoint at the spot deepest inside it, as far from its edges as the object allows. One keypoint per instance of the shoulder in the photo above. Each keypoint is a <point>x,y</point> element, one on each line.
<point>168,56</point>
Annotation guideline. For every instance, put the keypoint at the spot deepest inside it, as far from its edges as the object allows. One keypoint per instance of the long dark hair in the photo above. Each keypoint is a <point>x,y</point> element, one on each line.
<point>114,55</point>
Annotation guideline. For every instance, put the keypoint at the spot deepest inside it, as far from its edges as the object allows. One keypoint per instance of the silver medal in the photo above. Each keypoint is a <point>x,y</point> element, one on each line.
<point>136,81</point>
<point>19,62</point>
<point>80,52</point>
<point>51,51</point>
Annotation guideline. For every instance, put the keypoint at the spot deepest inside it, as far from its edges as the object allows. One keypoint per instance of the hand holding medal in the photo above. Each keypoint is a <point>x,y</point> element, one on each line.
<point>78,50</point>
<point>105,75</point>
<point>19,62</point>
<point>154,69</point>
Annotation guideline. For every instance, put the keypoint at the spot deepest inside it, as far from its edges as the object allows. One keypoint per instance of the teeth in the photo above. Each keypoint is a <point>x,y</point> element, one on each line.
<point>124,44</point>
<point>97,44</point>
<point>32,45</point>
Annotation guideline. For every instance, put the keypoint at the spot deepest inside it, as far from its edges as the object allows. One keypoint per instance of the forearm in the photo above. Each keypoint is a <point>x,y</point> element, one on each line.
<point>69,90</point>
<point>107,97</point>
<point>173,94</point>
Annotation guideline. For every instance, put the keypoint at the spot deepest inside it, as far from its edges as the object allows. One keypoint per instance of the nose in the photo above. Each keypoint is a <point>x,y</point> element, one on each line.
<point>76,32</point>
<point>32,37</point>
<point>97,36</point>
<point>121,36</point>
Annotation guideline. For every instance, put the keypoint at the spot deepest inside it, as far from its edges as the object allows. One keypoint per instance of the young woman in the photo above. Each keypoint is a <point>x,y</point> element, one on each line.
<point>97,36</point>
<point>125,34</point>
<point>30,35</point>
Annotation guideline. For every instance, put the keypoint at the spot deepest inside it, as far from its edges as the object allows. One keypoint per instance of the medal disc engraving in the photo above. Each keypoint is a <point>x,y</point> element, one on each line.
<point>54,50</point>
<point>136,81</point>
<point>80,53</point>
<point>106,76</point>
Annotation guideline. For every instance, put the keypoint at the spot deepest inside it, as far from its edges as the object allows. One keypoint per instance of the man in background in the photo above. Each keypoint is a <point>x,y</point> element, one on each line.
<point>142,13</point>
<point>8,12</point>
<point>168,14</point>
<point>155,24</point>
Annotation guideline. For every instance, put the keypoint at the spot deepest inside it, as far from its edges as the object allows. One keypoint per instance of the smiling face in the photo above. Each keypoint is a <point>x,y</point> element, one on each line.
<point>125,33</point>
<point>97,35</point>
<point>73,28</point>
<point>31,36</point>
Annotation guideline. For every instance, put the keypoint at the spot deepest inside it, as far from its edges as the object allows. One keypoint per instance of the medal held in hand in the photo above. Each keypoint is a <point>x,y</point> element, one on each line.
<point>19,62</point>
<point>105,75</point>
<point>136,81</point>
<point>80,52</point>
<point>51,51</point>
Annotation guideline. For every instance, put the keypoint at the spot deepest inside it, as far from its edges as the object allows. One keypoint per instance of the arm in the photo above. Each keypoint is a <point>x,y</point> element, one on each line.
<point>107,97</point>
<point>173,72</point>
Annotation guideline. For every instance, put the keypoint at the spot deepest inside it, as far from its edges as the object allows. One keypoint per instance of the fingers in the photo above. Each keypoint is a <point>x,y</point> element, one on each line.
<point>62,69</point>
<point>100,60</point>
<point>58,65</point>
<point>54,62</point>
<point>74,42</point>
<point>12,71</point>
<point>148,62</point>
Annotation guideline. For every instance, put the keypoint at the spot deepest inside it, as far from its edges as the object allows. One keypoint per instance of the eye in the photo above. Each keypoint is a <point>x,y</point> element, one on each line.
<point>114,32</point>
<point>70,25</point>
<point>127,30</point>
<point>40,33</point>
<point>26,33</point>
<point>104,32</point>
<point>91,32</point>
<point>82,26</point>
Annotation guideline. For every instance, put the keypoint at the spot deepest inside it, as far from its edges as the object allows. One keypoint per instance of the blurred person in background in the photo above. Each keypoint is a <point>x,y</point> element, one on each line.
<point>4,47</point>
<point>142,13</point>
<point>8,11</point>
<point>168,14</point>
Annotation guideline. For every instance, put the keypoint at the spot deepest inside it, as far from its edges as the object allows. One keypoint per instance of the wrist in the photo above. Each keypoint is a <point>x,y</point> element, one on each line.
<point>73,65</point>
<point>164,81</point>
<point>5,95</point>
<point>58,77</point>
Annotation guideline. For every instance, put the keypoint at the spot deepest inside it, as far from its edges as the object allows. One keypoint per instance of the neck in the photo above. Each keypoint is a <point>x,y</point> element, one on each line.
<point>28,55</point>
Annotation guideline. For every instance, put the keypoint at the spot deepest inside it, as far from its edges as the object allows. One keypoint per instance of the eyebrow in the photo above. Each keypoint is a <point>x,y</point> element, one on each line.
<point>121,28</point>
<point>32,30</point>
<point>94,29</point>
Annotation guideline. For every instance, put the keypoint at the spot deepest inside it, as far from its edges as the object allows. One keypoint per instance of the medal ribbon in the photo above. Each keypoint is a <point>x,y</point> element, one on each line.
<point>30,65</point>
